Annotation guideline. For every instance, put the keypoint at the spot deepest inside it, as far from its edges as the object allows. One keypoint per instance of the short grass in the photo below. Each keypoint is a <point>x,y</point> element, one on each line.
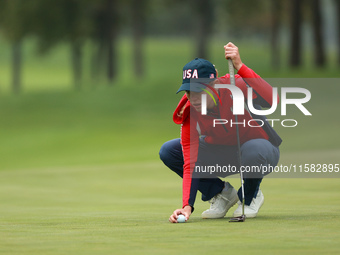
<point>123,209</point>
<point>80,174</point>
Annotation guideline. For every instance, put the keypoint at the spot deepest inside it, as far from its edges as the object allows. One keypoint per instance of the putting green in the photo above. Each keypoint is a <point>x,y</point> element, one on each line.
<point>124,209</point>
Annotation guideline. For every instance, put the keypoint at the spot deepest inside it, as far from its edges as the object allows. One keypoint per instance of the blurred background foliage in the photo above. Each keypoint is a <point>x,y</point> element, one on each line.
<point>93,81</point>
<point>96,28</point>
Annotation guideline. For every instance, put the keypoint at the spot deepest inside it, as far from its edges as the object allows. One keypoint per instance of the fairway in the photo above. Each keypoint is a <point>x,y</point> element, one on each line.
<point>97,210</point>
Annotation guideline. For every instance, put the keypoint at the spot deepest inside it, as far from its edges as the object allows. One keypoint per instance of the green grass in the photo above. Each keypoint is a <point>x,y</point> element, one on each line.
<point>123,209</point>
<point>80,173</point>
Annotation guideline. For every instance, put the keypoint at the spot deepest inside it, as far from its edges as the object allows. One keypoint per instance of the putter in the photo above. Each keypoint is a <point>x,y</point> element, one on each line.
<point>241,218</point>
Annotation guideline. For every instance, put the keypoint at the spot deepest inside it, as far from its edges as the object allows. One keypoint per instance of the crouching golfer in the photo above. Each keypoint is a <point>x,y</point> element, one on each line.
<point>209,138</point>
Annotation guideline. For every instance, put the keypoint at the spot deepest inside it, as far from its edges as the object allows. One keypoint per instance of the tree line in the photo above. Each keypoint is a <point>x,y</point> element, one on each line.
<point>103,21</point>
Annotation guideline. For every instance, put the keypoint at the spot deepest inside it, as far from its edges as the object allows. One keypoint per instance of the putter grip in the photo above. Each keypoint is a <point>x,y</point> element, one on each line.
<point>231,72</point>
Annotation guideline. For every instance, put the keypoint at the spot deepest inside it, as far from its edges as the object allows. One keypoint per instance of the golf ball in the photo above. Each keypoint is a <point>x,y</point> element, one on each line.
<point>181,218</point>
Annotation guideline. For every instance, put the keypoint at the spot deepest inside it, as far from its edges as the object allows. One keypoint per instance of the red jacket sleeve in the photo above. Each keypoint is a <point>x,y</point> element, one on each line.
<point>262,91</point>
<point>190,143</point>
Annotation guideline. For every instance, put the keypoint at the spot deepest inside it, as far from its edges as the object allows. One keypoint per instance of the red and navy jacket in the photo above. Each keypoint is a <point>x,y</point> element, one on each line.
<point>193,124</point>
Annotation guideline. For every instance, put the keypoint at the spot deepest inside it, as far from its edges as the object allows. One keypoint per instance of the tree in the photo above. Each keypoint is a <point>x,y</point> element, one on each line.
<point>63,21</point>
<point>75,21</point>
<point>105,17</point>
<point>76,31</point>
<point>138,16</point>
<point>275,32</point>
<point>13,21</point>
<point>295,31</point>
<point>319,50</point>
<point>204,20</point>
<point>51,22</point>
<point>337,2</point>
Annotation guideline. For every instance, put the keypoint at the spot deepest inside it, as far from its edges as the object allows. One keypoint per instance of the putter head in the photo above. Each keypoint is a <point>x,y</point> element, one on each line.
<point>241,218</point>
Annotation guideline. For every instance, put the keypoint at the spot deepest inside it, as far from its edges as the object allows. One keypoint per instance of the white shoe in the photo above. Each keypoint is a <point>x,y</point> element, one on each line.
<point>250,211</point>
<point>221,203</point>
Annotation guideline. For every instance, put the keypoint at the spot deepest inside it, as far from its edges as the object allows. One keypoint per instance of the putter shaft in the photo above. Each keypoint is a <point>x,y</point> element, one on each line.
<point>232,82</point>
